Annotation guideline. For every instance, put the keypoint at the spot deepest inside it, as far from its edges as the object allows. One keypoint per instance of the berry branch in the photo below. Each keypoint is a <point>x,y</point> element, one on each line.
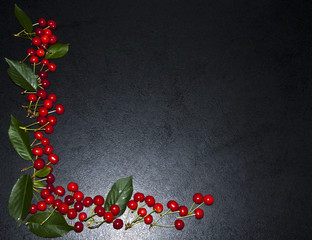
<point>55,213</point>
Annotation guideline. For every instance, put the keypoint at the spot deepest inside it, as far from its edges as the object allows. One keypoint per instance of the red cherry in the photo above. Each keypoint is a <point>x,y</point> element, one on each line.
<point>78,196</point>
<point>199,213</point>
<point>82,216</point>
<point>138,197</point>
<point>100,211</point>
<point>42,22</point>
<point>34,59</point>
<point>109,217</point>
<point>47,32</point>
<point>45,83</point>
<point>42,94</point>
<point>41,206</point>
<point>69,200</point>
<point>87,201</point>
<point>78,227</point>
<point>42,74</point>
<point>59,108</point>
<point>183,211</point>
<point>158,207</point>
<point>118,223</point>
<point>132,204</point>
<point>52,24</point>
<point>53,158</point>
<point>114,209</point>
<point>37,151</point>
<point>50,186</point>
<point>72,187</point>
<point>52,120</point>
<point>45,141</point>
<point>44,61</point>
<point>59,191</point>
<point>208,199</point>
<point>38,135</point>
<point>41,120</point>
<point>142,212</point>
<point>53,39</point>
<point>31,52</point>
<point>78,206</point>
<point>49,199</point>
<point>48,103</point>
<point>36,41</point>
<point>173,205</point>
<point>63,208</point>
<point>98,200</point>
<point>32,97</point>
<point>52,67</point>
<point>57,203</point>
<point>48,149</point>
<point>43,111</point>
<point>39,31</point>
<point>52,97</point>
<point>40,52</point>
<point>150,201</point>
<point>50,178</point>
<point>198,198</point>
<point>44,193</point>
<point>49,129</point>
<point>179,224</point>
<point>45,39</point>
<point>148,219</point>
<point>39,163</point>
<point>71,213</point>
<point>33,209</point>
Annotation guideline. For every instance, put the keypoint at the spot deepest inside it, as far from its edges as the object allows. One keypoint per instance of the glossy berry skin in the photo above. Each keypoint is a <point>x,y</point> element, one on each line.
<point>198,198</point>
<point>36,41</point>
<point>87,201</point>
<point>50,187</point>
<point>45,39</point>
<point>82,216</point>
<point>37,151</point>
<point>45,141</point>
<point>52,97</point>
<point>39,164</point>
<point>42,94</point>
<point>118,223</point>
<point>41,206</point>
<point>44,193</point>
<point>59,108</point>
<point>78,206</point>
<point>100,211</point>
<point>42,74</point>
<point>183,211</point>
<point>33,209</point>
<point>199,213</point>
<point>31,52</point>
<point>69,200</point>
<point>150,201</point>
<point>51,67</point>
<point>48,150</point>
<point>34,59</point>
<point>78,227</point>
<point>158,207</point>
<point>43,111</point>
<point>42,120</point>
<point>44,46</point>
<point>72,187</point>
<point>50,178</point>
<point>78,196</point>
<point>98,200</point>
<point>132,204</point>
<point>173,205</point>
<point>48,103</point>
<point>208,199</point>
<point>53,158</point>
<point>109,217</point>
<point>53,39</point>
<point>52,24</point>
<point>138,197</point>
<point>63,208</point>
<point>40,52</point>
<point>38,135</point>
<point>42,22</point>
<point>71,213</point>
<point>39,31</point>
<point>148,219</point>
<point>32,97</point>
<point>57,203</point>
<point>142,212</point>
<point>45,83</point>
<point>49,129</point>
<point>114,209</point>
<point>179,224</point>
<point>44,61</point>
<point>47,32</point>
<point>59,191</point>
<point>49,199</point>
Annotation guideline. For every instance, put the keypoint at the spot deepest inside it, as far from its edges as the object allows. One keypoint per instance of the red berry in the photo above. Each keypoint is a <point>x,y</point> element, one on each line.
<point>42,94</point>
<point>114,209</point>
<point>72,187</point>
<point>44,193</point>
<point>53,39</point>
<point>179,224</point>
<point>41,120</point>
<point>138,197</point>
<point>98,200</point>
<point>100,211</point>
<point>78,196</point>
<point>78,206</point>
<point>173,205</point>
<point>150,201</point>
<point>40,52</point>
<point>39,163</point>
<point>34,59</point>
<point>148,219</point>
<point>50,187</point>
<point>52,120</point>
<point>48,103</point>
<point>33,209</point>
<point>42,74</point>
<point>47,32</point>
<point>109,217</point>
<point>52,24</point>
<point>52,97</point>
<point>44,61</point>
<point>45,39</point>
<point>59,191</point>
<point>41,206</point>
<point>118,223</point>
<point>53,158</point>
<point>42,22</point>
<point>44,46</point>
<point>208,199</point>
<point>45,141</point>
<point>183,211</point>
<point>49,129</point>
<point>87,201</point>
<point>198,198</point>
<point>38,135</point>
<point>49,199</point>
<point>199,213</point>
<point>52,67</point>
<point>37,151</point>
<point>31,51</point>
<point>50,178</point>
<point>36,41</point>
<point>142,212</point>
<point>32,97</point>
<point>69,200</point>
<point>71,213</point>
<point>78,227</point>
<point>59,108</point>
<point>45,83</point>
<point>132,204</point>
<point>82,216</point>
<point>57,203</point>
<point>158,207</point>
<point>43,111</point>
<point>48,149</point>
<point>39,31</point>
<point>63,208</point>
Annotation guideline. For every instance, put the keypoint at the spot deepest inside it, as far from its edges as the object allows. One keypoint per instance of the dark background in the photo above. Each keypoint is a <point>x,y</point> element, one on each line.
<point>186,96</point>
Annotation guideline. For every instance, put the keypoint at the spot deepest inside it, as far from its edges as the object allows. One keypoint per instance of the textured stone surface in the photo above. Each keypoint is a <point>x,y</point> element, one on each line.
<point>186,96</point>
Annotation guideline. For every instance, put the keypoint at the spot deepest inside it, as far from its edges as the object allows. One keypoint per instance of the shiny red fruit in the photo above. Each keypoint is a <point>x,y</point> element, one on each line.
<point>72,187</point>
<point>59,108</point>
<point>98,200</point>
<point>59,191</point>
<point>208,199</point>
<point>132,204</point>
<point>39,164</point>
<point>114,209</point>
<point>198,198</point>
<point>118,223</point>
<point>53,158</point>
<point>138,197</point>
<point>179,224</point>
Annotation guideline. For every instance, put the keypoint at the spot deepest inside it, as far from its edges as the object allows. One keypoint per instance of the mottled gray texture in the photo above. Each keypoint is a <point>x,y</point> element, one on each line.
<point>186,96</point>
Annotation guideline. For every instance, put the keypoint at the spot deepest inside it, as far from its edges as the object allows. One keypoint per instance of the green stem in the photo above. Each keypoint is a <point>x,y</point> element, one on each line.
<point>25,169</point>
<point>36,190</point>
<point>161,216</point>
<point>189,215</point>
<point>192,206</point>
<point>190,212</point>
<point>36,197</point>
<point>167,226</point>
<point>31,124</point>
<point>48,217</point>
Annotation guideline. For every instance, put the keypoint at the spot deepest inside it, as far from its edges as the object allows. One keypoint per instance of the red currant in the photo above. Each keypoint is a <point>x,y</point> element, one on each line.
<point>52,67</point>
<point>199,213</point>
<point>150,201</point>
<point>78,227</point>
<point>52,24</point>
<point>49,129</point>
<point>114,209</point>
<point>98,200</point>
<point>37,151</point>
<point>100,211</point>
<point>198,198</point>
<point>179,224</point>
<point>33,209</point>
<point>39,163</point>
<point>173,205</point>
<point>138,197</point>
<point>72,187</point>
<point>32,97</point>
<point>53,158</point>
<point>142,212</point>
<point>59,191</point>
<point>87,201</point>
<point>71,213</point>
<point>148,219</point>
<point>42,22</point>
<point>50,178</point>
<point>78,206</point>
<point>158,207</point>
<point>82,216</point>
<point>38,135</point>
<point>59,108</point>
<point>41,206</point>
<point>36,41</point>
<point>109,217</point>
<point>208,199</point>
<point>118,223</point>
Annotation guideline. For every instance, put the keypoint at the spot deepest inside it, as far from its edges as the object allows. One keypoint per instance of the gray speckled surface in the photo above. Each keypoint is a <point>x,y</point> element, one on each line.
<point>186,96</point>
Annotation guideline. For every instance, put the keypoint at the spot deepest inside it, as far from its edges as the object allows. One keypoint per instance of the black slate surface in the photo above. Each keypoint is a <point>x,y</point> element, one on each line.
<point>186,96</point>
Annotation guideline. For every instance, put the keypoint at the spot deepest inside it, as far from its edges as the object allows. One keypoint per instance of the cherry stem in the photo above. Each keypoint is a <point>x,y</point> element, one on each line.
<point>36,105</point>
<point>173,212</point>
<point>127,215</point>
<point>34,68</point>
<point>25,169</point>
<point>52,111</point>
<point>167,226</point>
<point>36,197</point>
<point>89,217</point>
<point>136,222</point>
<point>196,208</point>
<point>31,124</point>
<point>36,190</point>
<point>25,58</point>
<point>188,215</point>
<point>96,226</point>
<point>40,180</point>
<point>161,216</point>
<point>192,207</point>
<point>33,142</point>
<point>48,217</point>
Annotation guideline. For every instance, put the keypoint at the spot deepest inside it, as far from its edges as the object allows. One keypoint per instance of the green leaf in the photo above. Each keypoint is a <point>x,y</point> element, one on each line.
<point>119,194</point>
<point>57,50</point>
<point>39,184</point>
<point>55,226</point>
<point>20,198</point>
<point>23,19</point>
<point>43,172</point>
<point>20,139</point>
<point>22,75</point>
